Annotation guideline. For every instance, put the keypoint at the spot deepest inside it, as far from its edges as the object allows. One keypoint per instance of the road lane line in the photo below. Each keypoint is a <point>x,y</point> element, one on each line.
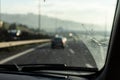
<point>20,54</point>
<point>71,51</point>
<point>88,65</point>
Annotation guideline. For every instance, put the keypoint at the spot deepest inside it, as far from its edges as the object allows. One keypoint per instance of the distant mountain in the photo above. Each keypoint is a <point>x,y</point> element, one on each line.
<point>47,23</point>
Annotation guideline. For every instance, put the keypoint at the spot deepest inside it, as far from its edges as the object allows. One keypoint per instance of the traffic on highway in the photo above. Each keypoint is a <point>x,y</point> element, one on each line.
<point>72,33</point>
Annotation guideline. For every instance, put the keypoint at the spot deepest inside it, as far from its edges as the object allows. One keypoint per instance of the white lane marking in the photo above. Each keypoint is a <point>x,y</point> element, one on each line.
<point>88,65</point>
<point>71,51</point>
<point>19,54</point>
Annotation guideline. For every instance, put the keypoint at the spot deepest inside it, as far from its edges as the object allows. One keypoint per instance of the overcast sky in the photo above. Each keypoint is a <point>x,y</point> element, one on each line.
<point>85,11</point>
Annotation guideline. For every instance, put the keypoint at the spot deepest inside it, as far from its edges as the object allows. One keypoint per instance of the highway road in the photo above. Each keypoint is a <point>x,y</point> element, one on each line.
<point>75,54</point>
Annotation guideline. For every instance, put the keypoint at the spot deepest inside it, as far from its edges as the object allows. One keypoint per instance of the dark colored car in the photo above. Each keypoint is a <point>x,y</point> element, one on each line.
<point>58,42</point>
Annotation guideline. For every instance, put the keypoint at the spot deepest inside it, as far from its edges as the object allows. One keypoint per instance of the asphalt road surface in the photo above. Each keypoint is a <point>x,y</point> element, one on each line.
<point>74,54</point>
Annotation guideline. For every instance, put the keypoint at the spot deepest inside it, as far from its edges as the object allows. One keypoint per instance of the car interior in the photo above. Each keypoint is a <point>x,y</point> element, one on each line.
<point>110,71</point>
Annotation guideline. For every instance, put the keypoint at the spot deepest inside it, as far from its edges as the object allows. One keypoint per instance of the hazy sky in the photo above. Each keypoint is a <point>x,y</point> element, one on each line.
<point>85,11</point>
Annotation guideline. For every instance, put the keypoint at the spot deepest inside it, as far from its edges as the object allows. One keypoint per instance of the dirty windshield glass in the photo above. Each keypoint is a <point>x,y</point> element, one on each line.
<point>71,32</point>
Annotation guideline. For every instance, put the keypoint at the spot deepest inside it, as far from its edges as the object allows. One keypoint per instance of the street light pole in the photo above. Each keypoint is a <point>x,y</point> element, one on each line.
<point>39,16</point>
<point>0,10</point>
<point>105,33</point>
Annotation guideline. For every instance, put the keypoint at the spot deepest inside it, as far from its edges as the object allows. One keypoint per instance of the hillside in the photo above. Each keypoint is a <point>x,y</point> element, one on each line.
<point>47,23</point>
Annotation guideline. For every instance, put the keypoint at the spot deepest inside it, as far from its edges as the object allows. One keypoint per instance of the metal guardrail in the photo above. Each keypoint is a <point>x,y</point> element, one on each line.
<point>104,43</point>
<point>98,43</point>
<point>17,43</point>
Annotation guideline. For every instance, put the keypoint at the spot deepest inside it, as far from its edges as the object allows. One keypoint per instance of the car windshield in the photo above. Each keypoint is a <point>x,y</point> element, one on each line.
<point>71,32</point>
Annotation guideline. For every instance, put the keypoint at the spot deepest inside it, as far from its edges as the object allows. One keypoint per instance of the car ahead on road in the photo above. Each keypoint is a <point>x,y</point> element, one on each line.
<point>58,42</point>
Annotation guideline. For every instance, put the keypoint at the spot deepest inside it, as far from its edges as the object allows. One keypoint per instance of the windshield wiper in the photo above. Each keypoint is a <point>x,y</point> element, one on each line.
<point>49,70</point>
<point>27,67</point>
<point>59,70</point>
<point>37,67</point>
<point>8,68</point>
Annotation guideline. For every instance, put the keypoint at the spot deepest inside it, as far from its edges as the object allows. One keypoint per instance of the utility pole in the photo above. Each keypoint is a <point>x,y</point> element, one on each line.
<point>105,33</point>
<point>0,10</point>
<point>39,16</point>
<point>85,29</point>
